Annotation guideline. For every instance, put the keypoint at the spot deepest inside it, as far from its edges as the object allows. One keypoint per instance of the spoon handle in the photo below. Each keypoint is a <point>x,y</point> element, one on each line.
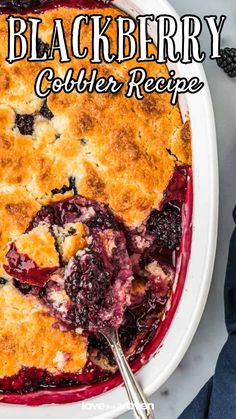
<point>142,409</point>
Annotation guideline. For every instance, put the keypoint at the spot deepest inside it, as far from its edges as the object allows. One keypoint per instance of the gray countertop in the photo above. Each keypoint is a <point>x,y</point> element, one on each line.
<point>199,362</point>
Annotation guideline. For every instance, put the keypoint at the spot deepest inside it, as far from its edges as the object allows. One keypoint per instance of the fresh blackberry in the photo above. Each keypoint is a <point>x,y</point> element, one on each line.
<point>227,61</point>
<point>166,226</point>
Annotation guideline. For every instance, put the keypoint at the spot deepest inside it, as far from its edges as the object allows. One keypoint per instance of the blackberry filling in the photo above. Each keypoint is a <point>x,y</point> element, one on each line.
<point>177,186</point>
<point>102,221</point>
<point>86,280</point>
<point>104,278</point>
<point>166,226</point>
<point>47,214</point>
<point>23,4</point>
<point>22,267</point>
<point>97,282</point>
<point>96,274</point>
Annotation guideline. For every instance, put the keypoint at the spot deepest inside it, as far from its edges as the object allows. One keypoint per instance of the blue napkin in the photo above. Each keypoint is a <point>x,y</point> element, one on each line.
<point>217,399</point>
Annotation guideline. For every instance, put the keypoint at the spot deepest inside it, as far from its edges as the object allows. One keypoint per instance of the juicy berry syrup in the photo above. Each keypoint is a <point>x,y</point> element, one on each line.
<point>25,269</point>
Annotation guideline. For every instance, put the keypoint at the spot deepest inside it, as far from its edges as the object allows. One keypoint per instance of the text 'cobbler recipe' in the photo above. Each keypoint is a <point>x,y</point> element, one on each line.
<point>178,41</point>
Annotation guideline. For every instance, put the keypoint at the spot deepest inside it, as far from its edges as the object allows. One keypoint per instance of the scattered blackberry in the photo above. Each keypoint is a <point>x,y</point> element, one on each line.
<point>45,111</point>
<point>72,184</point>
<point>25,124</point>
<point>22,287</point>
<point>227,61</point>
<point>42,47</point>
<point>65,188</point>
<point>166,225</point>
<point>3,281</point>
<point>83,141</point>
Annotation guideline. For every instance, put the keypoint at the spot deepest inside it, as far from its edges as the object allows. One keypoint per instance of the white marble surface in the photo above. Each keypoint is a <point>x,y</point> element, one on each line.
<point>199,362</point>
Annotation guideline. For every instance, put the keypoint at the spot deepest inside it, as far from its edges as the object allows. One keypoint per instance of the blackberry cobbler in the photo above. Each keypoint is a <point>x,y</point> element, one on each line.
<point>95,211</point>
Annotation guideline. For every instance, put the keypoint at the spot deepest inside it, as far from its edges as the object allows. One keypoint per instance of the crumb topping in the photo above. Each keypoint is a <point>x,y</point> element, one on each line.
<point>39,245</point>
<point>73,243</point>
<point>28,337</point>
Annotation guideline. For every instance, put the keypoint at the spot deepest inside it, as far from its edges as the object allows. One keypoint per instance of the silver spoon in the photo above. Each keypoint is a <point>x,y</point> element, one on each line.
<point>140,405</point>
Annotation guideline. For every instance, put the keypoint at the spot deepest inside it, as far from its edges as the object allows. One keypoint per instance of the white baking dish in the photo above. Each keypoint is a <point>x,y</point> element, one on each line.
<point>194,295</point>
